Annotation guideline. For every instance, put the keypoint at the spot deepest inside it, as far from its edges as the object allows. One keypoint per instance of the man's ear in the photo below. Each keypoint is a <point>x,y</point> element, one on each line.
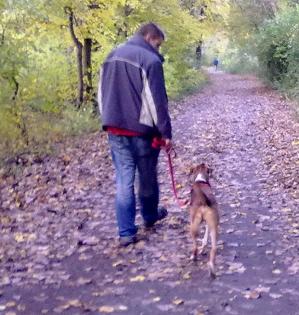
<point>148,38</point>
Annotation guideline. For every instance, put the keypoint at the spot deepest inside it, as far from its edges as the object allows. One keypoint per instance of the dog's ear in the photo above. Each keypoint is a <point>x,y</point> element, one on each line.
<point>192,169</point>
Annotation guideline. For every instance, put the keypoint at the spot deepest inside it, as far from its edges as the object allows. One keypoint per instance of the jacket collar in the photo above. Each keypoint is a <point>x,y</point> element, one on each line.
<point>138,40</point>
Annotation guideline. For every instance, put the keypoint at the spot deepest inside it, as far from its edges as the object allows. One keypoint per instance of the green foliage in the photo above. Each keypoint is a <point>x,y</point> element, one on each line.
<point>264,38</point>
<point>25,130</point>
<point>243,20</point>
<point>38,59</point>
<point>278,50</point>
<point>239,60</point>
<point>182,80</point>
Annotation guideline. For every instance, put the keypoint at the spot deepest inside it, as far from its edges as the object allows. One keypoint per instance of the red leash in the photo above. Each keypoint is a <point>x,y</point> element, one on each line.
<point>160,143</point>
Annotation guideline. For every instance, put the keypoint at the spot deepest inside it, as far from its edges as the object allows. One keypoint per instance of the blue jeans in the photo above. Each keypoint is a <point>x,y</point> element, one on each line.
<point>129,154</point>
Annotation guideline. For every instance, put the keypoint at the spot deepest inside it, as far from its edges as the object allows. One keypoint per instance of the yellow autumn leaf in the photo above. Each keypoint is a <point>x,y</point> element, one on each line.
<point>253,295</point>
<point>11,304</point>
<point>137,279</point>
<point>106,309</point>
<point>19,237</point>
<point>187,276</point>
<point>178,301</point>
<point>71,303</point>
<point>22,237</point>
<point>117,263</point>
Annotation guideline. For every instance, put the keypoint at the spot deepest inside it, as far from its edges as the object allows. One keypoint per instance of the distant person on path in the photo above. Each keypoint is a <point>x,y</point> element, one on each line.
<point>215,63</point>
<point>134,109</point>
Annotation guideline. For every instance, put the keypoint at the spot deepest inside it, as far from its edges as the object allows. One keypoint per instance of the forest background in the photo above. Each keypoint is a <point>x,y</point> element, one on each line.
<point>51,51</point>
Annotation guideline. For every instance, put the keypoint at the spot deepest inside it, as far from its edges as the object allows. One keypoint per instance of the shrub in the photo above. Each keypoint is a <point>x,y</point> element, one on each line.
<point>278,50</point>
<point>27,130</point>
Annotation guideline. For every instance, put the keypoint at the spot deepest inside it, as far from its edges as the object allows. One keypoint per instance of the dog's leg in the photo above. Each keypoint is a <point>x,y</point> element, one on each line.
<point>211,263</point>
<point>195,221</point>
<point>204,241</point>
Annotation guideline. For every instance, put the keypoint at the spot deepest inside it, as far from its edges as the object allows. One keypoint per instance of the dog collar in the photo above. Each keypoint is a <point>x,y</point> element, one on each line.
<point>200,178</point>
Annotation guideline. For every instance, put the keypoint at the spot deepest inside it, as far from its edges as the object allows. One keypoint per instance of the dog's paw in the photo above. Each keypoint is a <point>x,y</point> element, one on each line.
<point>212,272</point>
<point>201,250</point>
<point>193,257</point>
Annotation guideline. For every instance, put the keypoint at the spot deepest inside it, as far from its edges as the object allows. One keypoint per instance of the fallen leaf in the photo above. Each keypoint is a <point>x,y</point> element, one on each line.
<point>163,258</point>
<point>294,268</point>
<point>11,304</point>
<point>83,281</point>
<point>178,301</point>
<point>187,276</point>
<point>122,308</point>
<point>106,309</point>
<point>118,263</point>
<point>253,295</point>
<point>236,267</point>
<point>22,237</point>
<point>262,289</point>
<point>137,279</point>
<point>275,295</point>
<point>276,271</point>
<point>229,231</point>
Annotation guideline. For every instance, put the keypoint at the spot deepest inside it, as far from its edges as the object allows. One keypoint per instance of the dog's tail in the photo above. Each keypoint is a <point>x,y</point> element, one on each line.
<point>209,201</point>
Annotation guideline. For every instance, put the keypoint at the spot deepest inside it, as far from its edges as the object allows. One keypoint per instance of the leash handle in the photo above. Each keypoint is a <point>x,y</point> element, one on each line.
<point>159,143</point>
<point>172,175</point>
<point>179,202</point>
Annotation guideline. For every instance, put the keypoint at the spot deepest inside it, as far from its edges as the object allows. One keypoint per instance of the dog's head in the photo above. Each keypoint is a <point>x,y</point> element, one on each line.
<point>202,169</point>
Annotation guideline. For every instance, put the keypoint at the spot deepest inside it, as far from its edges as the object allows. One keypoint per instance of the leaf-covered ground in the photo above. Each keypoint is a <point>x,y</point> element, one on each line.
<point>59,252</point>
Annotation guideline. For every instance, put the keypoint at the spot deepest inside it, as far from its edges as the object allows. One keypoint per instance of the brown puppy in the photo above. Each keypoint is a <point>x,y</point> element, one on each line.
<point>203,207</point>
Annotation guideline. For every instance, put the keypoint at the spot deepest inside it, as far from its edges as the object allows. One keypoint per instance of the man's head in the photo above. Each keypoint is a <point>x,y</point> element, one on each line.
<point>152,34</point>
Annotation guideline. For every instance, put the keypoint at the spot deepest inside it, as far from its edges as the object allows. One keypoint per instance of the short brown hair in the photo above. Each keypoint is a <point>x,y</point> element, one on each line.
<point>152,29</point>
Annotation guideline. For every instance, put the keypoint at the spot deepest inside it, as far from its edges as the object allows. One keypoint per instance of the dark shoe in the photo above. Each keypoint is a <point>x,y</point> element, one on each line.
<point>162,213</point>
<point>127,240</point>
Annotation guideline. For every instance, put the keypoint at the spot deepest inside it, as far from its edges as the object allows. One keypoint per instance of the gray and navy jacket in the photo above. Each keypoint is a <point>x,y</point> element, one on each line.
<point>132,92</point>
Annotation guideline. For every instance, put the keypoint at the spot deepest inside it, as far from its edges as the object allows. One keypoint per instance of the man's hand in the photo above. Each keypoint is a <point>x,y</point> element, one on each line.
<point>168,145</point>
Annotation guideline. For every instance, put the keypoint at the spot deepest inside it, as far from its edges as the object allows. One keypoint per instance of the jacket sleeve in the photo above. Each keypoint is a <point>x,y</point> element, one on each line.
<point>159,95</point>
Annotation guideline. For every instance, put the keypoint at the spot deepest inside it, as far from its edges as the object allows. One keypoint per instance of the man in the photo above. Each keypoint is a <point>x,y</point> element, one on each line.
<point>215,63</point>
<point>134,109</point>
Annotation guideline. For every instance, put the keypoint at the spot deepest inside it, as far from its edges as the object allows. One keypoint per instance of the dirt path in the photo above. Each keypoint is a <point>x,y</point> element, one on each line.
<point>59,252</point>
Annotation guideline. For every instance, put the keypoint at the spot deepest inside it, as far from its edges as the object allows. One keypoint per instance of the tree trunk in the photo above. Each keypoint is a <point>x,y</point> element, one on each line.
<point>80,75</point>
<point>79,48</point>
<point>87,66</point>
<point>16,88</point>
<point>198,51</point>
